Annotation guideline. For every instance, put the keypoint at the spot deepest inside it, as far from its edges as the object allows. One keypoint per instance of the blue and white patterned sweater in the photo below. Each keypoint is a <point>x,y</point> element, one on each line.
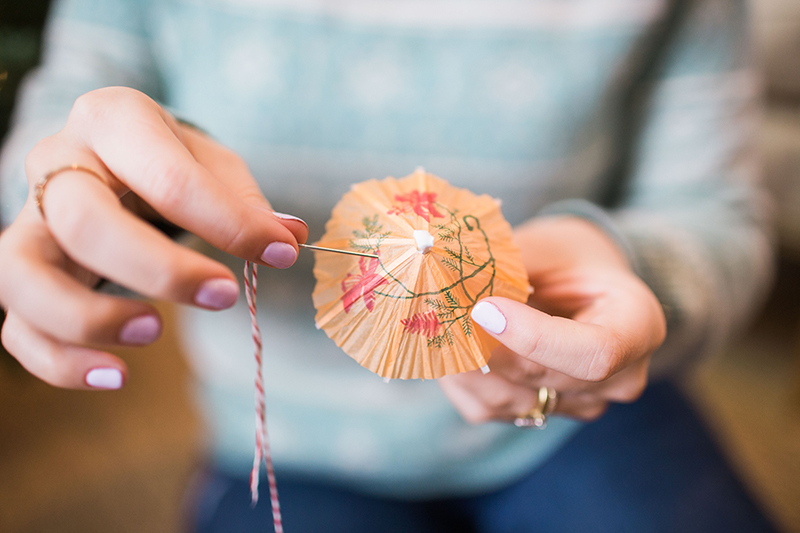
<point>643,106</point>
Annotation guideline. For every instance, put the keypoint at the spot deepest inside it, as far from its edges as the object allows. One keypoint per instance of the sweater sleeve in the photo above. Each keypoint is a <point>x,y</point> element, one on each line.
<point>87,44</point>
<point>692,215</point>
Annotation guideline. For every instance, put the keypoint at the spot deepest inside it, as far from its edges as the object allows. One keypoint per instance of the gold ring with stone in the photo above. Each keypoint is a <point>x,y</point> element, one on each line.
<point>537,416</point>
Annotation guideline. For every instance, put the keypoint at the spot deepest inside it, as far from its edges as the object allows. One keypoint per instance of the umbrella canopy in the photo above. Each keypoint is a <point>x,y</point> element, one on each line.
<point>438,249</point>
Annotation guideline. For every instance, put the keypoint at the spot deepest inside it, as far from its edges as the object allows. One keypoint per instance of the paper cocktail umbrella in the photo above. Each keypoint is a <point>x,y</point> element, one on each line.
<point>438,249</point>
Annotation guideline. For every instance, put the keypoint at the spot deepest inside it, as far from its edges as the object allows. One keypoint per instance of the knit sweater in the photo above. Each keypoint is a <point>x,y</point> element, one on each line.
<point>634,114</point>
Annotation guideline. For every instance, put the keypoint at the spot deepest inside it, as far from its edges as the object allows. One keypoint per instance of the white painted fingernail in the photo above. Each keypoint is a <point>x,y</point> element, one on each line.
<point>284,216</point>
<point>489,317</point>
<point>104,378</point>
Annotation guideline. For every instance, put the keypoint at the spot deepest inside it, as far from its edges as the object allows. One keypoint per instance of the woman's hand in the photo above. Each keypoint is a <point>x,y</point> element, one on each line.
<point>48,264</point>
<point>588,331</point>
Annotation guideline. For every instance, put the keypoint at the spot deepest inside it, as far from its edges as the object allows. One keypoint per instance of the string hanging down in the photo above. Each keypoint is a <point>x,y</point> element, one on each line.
<point>262,450</point>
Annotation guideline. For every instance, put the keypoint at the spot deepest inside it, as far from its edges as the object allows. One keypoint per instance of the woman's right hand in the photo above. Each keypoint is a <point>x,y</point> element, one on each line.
<point>55,323</point>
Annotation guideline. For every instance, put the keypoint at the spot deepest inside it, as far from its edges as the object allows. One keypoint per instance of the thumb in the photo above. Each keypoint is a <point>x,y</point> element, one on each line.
<point>581,350</point>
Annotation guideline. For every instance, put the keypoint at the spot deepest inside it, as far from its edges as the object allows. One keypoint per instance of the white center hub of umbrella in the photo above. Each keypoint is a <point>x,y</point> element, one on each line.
<point>424,240</point>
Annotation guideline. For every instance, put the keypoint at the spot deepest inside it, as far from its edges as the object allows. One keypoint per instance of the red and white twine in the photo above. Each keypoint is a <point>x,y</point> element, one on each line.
<point>262,438</point>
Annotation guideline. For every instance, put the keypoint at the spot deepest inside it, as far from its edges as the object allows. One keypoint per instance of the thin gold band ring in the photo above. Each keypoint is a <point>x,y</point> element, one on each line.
<point>40,186</point>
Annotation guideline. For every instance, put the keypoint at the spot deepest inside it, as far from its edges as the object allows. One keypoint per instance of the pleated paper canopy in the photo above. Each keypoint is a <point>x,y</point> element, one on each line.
<point>405,313</point>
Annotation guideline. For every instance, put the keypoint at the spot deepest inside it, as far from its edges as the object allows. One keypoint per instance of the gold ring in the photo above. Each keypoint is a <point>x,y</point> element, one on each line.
<point>537,416</point>
<point>50,175</point>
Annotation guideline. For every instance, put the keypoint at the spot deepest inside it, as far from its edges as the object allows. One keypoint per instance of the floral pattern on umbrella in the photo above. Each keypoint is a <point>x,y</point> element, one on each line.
<point>421,203</point>
<point>362,285</point>
<point>450,304</point>
<point>414,321</point>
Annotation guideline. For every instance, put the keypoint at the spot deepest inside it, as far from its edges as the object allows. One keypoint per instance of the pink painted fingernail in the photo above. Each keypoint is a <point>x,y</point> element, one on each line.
<point>489,317</point>
<point>279,255</point>
<point>284,216</point>
<point>140,330</point>
<point>218,293</point>
<point>104,378</point>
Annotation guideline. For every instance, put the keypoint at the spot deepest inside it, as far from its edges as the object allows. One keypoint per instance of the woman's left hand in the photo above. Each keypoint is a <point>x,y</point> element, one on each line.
<point>587,332</point>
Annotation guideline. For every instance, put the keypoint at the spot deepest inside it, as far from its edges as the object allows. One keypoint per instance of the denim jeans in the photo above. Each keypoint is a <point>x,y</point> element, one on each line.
<point>650,466</point>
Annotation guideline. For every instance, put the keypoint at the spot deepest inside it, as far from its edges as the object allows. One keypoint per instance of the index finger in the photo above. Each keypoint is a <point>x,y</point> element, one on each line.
<point>159,168</point>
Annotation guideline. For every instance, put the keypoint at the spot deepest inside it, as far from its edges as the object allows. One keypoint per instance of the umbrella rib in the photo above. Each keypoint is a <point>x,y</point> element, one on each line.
<point>412,295</point>
<point>491,261</point>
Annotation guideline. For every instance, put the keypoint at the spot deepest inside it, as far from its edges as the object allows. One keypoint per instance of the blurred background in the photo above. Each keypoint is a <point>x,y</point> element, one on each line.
<point>87,461</point>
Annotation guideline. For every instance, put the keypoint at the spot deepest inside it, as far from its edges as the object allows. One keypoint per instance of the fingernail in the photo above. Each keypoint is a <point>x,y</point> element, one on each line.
<point>284,216</point>
<point>218,293</point>
<point>489,317</point>
<point>104,378</point>
<point>140,330</point>
<point>279,255</point>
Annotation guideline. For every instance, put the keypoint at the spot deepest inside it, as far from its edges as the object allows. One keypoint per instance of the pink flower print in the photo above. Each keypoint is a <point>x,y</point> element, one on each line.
<point>423,323</point>
<point>362,285</point>
<point>423,204</point>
